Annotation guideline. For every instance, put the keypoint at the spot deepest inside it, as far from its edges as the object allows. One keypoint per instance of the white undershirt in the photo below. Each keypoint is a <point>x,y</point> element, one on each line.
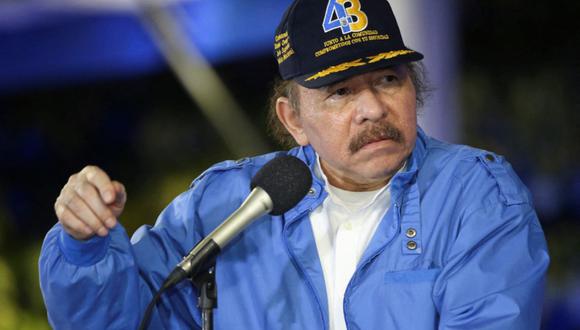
<point>343,226</point>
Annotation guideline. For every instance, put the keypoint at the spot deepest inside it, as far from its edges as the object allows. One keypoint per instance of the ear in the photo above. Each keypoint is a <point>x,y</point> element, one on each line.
<point>290,118</point>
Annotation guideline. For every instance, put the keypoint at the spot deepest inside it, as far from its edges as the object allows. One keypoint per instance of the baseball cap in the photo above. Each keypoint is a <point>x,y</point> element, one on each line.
<point>320,42</point>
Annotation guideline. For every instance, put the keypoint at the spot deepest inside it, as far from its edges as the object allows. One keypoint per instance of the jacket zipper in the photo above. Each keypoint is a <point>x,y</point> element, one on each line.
<point>367,262</point>
<point>297,265</point>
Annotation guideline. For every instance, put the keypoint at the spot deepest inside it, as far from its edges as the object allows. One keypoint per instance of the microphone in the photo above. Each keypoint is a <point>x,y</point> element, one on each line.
<point>277,187</point>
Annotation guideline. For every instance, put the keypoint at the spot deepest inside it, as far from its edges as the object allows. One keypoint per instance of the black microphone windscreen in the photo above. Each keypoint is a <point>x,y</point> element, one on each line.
<point>286,179</point>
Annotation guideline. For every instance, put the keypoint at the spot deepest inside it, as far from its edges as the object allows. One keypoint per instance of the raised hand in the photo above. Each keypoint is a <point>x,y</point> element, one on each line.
<point>90,203</point>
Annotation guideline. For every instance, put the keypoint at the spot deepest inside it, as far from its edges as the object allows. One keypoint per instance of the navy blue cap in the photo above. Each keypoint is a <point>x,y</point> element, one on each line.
<point>320,42</point>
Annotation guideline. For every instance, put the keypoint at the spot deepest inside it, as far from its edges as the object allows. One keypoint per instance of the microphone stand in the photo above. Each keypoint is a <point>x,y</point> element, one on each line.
<point>287,178</point>
<point>207,295</point>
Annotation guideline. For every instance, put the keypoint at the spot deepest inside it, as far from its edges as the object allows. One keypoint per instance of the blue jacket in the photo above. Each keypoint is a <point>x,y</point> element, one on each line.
<point>478,260</point>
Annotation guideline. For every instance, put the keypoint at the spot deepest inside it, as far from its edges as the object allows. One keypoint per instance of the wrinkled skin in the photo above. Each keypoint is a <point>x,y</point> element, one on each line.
<point>363,128</point>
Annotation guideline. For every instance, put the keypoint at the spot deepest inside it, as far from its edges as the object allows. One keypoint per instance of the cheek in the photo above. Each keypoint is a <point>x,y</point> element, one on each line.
<point>411,137</point>
<point>327,125</point>
<point>328,135</point>
<point>409,116</point>
<point>410,123</point>
<point>409,130</point>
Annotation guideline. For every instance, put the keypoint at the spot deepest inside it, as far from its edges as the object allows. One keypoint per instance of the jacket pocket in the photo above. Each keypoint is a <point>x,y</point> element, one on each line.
<point>408,299</point>
<point>412,276</point>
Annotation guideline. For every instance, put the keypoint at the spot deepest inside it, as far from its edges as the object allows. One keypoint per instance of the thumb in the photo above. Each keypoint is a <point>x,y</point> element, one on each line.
<point>118,204</point>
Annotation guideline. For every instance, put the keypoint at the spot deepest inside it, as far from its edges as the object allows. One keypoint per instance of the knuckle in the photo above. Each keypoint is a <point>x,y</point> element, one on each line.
<point>58,209</point>
<point>89,169</point>
<point>72,178</point>
<point>73,204</point>
<point>64,198</point>
<point>83,189</point>
<point>65,194</point>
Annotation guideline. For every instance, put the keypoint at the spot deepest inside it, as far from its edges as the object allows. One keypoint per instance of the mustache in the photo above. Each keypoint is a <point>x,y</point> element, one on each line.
<point>377,132</point>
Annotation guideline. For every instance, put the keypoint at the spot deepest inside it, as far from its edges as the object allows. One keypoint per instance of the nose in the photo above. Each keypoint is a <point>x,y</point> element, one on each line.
<point>370,106</point>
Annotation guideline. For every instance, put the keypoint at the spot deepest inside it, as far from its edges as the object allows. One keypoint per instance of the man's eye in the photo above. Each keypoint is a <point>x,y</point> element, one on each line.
<point>389,78</point>
<point>340,92</point>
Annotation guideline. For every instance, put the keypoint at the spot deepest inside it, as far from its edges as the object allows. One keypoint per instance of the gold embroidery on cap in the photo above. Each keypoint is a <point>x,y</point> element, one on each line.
<point>358,62</point>
<point>387,55</point>
<point>337,68</point>
<point>282,47</point>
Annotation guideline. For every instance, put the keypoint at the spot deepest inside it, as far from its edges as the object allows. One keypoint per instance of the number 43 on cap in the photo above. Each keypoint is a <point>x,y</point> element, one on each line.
<point>348,19</point>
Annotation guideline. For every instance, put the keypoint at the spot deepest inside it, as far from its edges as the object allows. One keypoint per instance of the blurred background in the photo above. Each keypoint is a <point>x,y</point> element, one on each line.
<point>155,92</point>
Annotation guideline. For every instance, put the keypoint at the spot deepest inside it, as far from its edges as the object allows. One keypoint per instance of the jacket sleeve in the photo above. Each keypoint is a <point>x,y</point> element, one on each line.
<point>495,271</point>
<point>106,282</point>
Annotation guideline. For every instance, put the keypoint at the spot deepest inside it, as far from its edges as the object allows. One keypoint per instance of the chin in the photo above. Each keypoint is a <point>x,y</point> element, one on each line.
<point>377,172</point>
<point>387,165</point>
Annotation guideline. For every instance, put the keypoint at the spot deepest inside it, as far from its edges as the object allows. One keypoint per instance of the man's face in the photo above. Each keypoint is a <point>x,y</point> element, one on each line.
<point>363,128</point>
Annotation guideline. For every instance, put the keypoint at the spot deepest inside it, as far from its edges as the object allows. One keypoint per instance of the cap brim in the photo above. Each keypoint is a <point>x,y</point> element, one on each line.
<point>344,71</point>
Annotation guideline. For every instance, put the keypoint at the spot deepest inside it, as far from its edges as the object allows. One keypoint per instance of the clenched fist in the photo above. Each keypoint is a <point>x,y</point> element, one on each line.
<point>90,203</point>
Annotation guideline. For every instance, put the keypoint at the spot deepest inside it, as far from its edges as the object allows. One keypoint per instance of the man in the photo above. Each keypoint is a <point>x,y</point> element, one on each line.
<point>398,231</point>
